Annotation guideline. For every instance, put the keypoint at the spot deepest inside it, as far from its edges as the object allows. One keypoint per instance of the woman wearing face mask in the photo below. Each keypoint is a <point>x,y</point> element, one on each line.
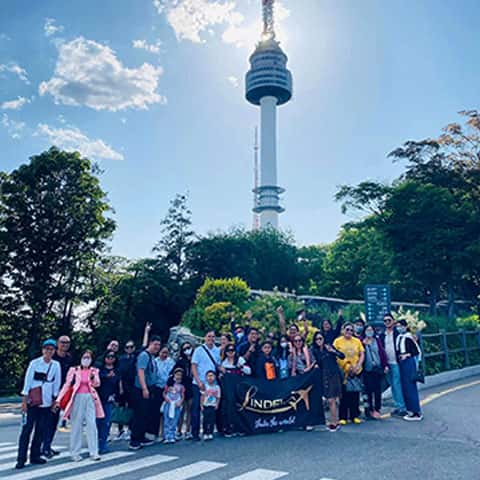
<point>281,355</point>
<point>325,357</point>
<point>376,366</point>
<point>84,405</point>
<point>184,362</point>
<point>407,350</point>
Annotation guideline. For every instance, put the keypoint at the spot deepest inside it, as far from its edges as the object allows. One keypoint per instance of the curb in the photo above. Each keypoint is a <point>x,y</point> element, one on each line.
<point>442,378</point>
<point>14,399</point>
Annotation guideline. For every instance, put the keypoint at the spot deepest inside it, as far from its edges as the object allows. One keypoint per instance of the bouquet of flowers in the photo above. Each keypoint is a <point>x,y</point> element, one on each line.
<point>413,321</point>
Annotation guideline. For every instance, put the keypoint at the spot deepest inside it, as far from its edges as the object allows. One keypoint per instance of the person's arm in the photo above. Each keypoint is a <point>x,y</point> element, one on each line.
<point>338,325</point>
<point>249,316</point>
<point>358,367</point>
<point>335,352</point>
<point>182,400</point>
<point>281,320</point>
<point>307,359</point>
<point>95,378</point>
<point>217,404</point>
<point>202,399</point>
<point>57,381</point>
<point>27,385</point>
<point>195,375</point>
<point>303,317</point>
<point>146,333</point>
<point>164,394</point>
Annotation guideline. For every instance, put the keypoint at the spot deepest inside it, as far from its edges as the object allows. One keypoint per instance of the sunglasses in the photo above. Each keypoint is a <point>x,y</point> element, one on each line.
<point>64,341</point>
<point>230,351</point>
<point>349,329</point>
<point>318,338</point>
<point>298,340</point>
<point>129,346</point>
<point>110,356</point>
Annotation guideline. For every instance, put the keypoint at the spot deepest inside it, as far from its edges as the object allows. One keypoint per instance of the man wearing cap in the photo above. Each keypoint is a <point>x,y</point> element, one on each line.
<point>40,388</point>
<point>64,358</point>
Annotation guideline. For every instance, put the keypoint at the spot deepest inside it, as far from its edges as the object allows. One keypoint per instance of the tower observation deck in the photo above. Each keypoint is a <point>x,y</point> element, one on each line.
<point>268,85</point>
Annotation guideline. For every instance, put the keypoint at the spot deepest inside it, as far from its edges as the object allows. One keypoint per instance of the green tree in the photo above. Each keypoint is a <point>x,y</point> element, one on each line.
<point>54,225</point>
<point>177,235</point>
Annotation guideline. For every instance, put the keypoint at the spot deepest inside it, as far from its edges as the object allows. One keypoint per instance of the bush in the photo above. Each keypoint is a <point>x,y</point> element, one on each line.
<point>233,290</point>
<point>472,322</point>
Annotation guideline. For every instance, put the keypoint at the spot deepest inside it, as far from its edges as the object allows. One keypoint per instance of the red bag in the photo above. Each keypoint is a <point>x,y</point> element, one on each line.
<point>66,398</point>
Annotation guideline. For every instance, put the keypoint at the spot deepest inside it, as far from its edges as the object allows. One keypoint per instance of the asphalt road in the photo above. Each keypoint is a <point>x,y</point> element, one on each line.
<point>444,446</point>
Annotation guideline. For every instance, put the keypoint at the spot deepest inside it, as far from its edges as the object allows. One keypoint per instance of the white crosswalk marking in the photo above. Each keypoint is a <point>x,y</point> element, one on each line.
<point>6,444</point>
<point>126,467</point>
<point>12,455</point>
<point>261,474</point>
<point>5,466</point>
<point>43,472</point>
<point>189,471</point>
<point>8,449</point>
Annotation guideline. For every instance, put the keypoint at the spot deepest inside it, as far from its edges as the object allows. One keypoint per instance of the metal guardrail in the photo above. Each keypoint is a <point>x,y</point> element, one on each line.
<point>447,352</point>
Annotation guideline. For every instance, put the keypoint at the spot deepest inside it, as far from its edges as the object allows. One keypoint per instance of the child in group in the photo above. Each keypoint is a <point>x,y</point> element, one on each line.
<point>210,401</point>
<point>266,363</point>
<point>174,396</point>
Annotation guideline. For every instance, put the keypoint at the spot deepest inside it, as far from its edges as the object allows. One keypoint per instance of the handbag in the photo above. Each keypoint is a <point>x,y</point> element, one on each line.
<point>419,376</point>
<point>65,400</point>
<point>354,384</point>
<point>122,415</point>
<point>35,395</point>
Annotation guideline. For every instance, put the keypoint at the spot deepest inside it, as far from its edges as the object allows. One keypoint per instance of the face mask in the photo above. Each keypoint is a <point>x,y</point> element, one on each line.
<point>86,361</point>
<point>401,329</point>
<point>188,351</point>
<point>358,329</point>
<point>240,335</point>
<point>369,334</point>
<point>284,344</point>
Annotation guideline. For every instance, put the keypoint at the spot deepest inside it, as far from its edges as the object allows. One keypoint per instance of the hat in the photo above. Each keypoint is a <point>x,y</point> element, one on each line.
<point>49,343</point>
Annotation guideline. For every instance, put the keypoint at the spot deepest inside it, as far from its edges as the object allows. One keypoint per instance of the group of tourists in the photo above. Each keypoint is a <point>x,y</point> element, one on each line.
<point>153,397</point>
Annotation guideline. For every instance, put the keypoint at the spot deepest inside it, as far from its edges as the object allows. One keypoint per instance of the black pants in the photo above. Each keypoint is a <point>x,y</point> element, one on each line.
<point>349,405</point>
<point>156,400</point>
<point>141,416</point>
<point>196,411</point>
<point>51,429</point>
<point>373,389</point>
<point>37,421</point>
<point>209,417</point>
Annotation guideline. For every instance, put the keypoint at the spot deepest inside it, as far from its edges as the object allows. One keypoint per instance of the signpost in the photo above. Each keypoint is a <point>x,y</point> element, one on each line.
<point>377,302</point>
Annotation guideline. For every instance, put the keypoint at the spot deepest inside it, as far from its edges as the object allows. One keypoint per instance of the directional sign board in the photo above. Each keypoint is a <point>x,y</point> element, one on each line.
<point>377,302</point>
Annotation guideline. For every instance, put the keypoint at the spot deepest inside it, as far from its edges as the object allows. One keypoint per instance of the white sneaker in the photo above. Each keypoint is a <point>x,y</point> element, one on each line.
<point>76,458</point>
<point>413,417</point>
<point>150,436</point>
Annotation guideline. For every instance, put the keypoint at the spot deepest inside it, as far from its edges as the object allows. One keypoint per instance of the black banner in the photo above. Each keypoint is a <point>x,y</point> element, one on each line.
<point>251,406</point>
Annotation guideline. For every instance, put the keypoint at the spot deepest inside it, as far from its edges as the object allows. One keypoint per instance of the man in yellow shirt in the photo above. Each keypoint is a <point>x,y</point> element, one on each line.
<point>351,367</point>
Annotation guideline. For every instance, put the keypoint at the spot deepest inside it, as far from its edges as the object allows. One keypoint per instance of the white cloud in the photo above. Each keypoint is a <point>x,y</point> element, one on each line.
<point>190,18</point>
<point>233,81</point>
<point>89,73</point>
<point>14,68</point>
<point>14,129</point>
<point>149,47</point>
<point>4,36</point>
<point>72,139</point>
<point>15,104</point>
<point>50,28</point>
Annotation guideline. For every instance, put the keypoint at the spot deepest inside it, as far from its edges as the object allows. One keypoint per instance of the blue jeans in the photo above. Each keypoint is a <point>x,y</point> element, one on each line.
<point>393,377</point>
<point>170,424</point>
<point>103,427</point>
<point>196,412</point>
<point>408,370</point>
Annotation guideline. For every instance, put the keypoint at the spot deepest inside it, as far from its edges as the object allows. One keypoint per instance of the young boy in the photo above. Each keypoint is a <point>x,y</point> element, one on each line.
<point>174,396</point>
<point>265,367</point>
<point>210,402</point>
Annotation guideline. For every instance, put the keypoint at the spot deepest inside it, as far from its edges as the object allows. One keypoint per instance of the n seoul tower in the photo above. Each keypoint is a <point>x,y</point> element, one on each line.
<point>268,84</point>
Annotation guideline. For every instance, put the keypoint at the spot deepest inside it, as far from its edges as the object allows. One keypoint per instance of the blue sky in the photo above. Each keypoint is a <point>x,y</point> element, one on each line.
<point>153,91</point>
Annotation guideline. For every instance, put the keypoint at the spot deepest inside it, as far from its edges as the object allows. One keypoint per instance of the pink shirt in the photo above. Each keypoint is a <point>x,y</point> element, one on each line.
<point>84,381</point>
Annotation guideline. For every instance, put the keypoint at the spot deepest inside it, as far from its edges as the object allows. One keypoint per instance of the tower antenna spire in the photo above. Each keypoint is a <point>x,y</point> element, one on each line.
<point>256,182</point>
<point>268,19</point>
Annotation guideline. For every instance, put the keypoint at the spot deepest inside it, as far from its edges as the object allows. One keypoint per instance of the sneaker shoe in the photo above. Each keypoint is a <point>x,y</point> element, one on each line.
<point>95,458</point>
<point>309,428</point>
<point>63,429</point>
<point>333,428</point>
<point>398,413</point>
<point>376,415</point>
<point>178,437</point>
<point>76,458</point>
<point>413,417</point>
<point>147,443</point>
<point>150,436</point>
<point>342,422</point>
<point>134,446</point>
<point>20,465</point>
<point>48,454</point>
<point>357,421</point>
<point>228,435</point>
<point>188,436</point>
<point>165,441</point>
<point>38,461</point>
